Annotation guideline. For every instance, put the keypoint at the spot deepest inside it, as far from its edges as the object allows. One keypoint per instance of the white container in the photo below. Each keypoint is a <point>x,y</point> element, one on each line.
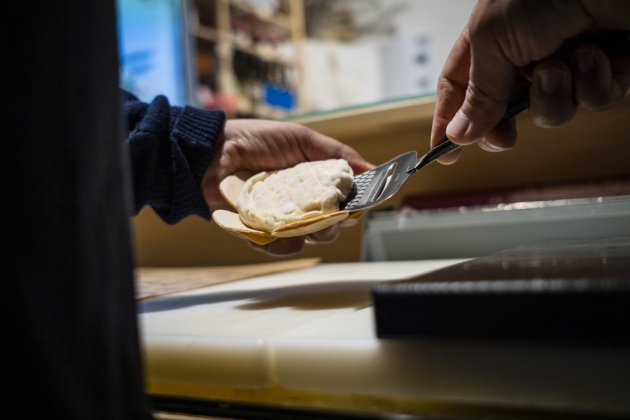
<point>470,232</point>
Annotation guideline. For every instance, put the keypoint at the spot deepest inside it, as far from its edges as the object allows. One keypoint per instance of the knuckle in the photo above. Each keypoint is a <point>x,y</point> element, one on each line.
<point>479,99</point>
<point>296,129</point>
<point>490,16</point>
<point>347,152</point>
<point>236,147</point>
<point>481,27</point>
<point>443,84</point>
<point>302,130</point>
<point>446,86</point>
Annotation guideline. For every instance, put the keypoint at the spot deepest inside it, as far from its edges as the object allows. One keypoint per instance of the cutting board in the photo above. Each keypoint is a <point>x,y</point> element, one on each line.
<point>306,339</point>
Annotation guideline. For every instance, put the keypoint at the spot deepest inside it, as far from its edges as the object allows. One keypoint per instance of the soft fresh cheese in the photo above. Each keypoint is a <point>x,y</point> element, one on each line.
<point>273,199</point>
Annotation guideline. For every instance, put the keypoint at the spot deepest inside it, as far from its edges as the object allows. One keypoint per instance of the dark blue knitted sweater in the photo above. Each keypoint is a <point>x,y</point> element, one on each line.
<point>170,150</point>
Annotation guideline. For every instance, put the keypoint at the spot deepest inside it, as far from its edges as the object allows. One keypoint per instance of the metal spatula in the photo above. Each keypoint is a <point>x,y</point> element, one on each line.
<point>373,187</point>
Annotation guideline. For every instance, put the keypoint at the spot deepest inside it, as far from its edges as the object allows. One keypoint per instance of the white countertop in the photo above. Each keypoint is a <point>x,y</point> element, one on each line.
<point>311,332</point>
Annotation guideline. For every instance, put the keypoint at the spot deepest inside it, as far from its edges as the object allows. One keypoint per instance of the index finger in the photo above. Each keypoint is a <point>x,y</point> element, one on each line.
<point>451,92</point>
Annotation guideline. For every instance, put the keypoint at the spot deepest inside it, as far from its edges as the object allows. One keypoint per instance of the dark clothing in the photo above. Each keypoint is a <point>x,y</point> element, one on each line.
<point>170,150</point>
<point>70,347</point>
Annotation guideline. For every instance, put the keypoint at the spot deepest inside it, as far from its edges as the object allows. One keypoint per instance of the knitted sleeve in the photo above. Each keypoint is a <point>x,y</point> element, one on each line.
<point>170,149</point>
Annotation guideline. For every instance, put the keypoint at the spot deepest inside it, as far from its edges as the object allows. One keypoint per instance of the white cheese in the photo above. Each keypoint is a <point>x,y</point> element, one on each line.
<point>273,199</point>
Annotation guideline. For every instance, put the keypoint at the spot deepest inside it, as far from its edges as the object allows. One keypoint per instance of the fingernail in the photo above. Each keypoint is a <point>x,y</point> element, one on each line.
<point>488,147</point>
<point>458,126</point>
<point>550,80</point>
<point>585,60</point>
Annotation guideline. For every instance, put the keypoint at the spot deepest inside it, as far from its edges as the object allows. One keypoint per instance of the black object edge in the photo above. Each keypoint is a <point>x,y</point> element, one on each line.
<point>577,294</point>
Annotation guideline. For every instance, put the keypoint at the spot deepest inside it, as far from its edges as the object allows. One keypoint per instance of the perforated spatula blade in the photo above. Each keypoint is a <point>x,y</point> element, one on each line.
<point>373,187</point>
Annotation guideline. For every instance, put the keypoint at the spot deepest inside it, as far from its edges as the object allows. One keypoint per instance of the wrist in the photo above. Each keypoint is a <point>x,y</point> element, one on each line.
<point>212,178</point>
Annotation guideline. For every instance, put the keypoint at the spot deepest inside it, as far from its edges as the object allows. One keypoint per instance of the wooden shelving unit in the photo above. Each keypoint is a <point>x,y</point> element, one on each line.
<point>235,64</point>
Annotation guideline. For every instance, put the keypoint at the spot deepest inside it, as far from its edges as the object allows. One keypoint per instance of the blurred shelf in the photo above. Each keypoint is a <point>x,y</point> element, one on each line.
<point>280,20</point>
<point>277,53</point>
<point>211,34</point>
<point>206,32</point>
<point>253,50</point>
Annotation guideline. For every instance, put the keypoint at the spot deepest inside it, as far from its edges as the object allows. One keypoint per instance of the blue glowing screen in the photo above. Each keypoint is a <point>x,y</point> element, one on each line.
<point>150,47</point>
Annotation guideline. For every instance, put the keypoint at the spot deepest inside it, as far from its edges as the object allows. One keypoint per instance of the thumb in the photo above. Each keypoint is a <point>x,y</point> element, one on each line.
<point>487,95</point>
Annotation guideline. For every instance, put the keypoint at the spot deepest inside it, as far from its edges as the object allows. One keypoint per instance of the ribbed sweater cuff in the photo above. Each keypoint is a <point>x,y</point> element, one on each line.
<point>193,138</point>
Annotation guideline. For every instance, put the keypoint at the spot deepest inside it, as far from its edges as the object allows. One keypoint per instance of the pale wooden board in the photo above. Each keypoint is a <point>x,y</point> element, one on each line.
<point>154,282</point>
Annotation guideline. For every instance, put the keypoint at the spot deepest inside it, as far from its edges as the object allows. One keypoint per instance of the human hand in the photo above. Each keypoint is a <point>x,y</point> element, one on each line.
<point>260,145</point>
<point>508,42</point>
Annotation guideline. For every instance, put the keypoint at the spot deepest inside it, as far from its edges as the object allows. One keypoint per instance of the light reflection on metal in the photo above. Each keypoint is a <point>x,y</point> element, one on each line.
<point>523,205</point>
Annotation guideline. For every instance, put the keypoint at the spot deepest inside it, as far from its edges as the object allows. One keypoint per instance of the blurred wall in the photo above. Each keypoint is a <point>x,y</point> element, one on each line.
<point>442,20</point>
<point>342,74</point>
<point>369,69</point>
